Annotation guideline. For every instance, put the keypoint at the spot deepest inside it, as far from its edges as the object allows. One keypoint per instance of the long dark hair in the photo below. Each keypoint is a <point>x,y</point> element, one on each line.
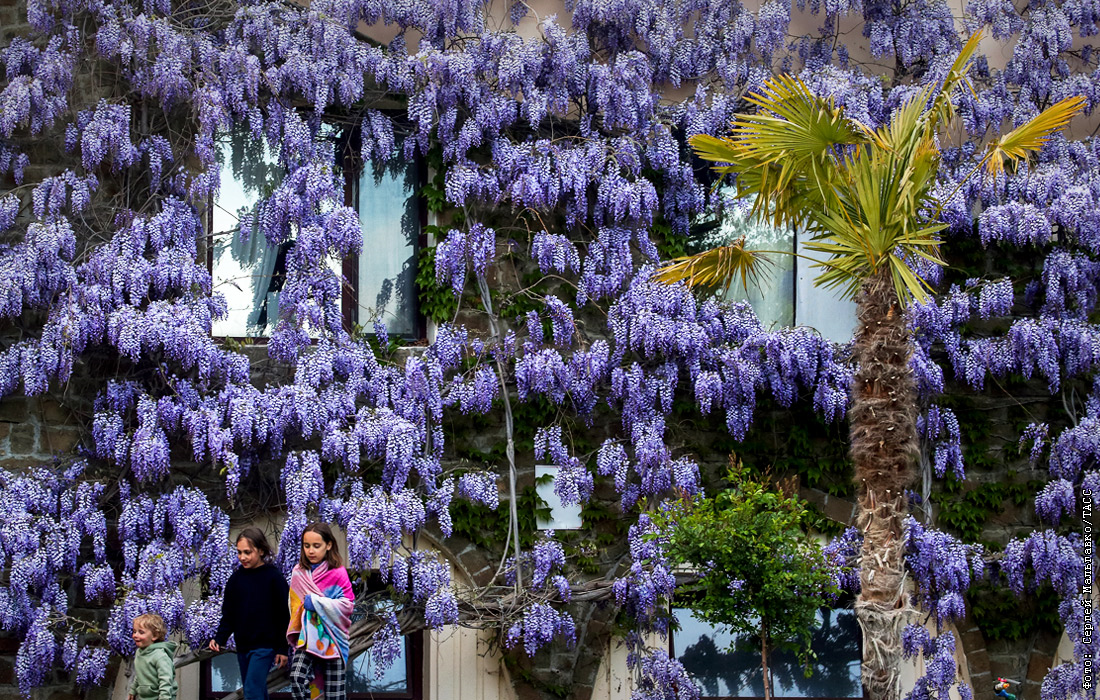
<point>333,557</point>
<point>257,539</point>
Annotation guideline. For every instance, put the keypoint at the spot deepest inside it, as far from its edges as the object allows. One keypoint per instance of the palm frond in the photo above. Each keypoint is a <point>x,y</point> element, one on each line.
<point>713,148</point>
<point>717,267</point>
<point>1030,136</point>
<point>792,123</point>
<point>942,106</point>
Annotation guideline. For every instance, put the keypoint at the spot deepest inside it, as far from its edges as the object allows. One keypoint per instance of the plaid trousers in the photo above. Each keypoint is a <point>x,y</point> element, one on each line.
<point>303,669</point>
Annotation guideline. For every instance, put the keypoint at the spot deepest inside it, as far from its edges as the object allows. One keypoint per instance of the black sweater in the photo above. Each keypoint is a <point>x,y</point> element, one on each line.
<point>255,610</point>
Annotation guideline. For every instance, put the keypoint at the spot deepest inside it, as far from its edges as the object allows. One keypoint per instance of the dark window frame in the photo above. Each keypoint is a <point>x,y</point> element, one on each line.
<point>414,672</point>
<point>351,166</point>
<point>840,605</point>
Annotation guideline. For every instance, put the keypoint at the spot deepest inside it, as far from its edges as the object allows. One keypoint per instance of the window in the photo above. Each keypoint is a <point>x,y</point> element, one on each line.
<point>380,281</point>
<point>562,517</point>
<point>704,650</point>
<point>404,679</point>
<point>389,215</point>
<point>787,295</point>
<point>249,273</point>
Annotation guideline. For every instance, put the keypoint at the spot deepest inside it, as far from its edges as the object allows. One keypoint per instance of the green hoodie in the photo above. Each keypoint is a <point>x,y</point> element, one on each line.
<point>155,672</point>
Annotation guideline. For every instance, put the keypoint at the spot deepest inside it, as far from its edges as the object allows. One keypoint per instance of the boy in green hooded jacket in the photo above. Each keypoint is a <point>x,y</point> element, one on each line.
<point>154,666</point>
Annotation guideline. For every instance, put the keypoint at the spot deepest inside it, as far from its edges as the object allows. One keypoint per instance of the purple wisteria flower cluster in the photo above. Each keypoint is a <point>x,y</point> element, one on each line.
<point>943,567</point>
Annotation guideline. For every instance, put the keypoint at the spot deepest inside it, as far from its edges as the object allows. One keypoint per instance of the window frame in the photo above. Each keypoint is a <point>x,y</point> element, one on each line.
<point>843,604</point>
<point>414,672</point>
<point>348,160</point>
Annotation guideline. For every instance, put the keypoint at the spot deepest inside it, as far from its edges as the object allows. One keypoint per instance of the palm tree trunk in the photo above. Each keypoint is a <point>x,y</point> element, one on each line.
<point>884,447</point>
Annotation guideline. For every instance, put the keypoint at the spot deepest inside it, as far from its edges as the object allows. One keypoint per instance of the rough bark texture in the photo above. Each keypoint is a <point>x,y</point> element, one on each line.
<point>884,449</point>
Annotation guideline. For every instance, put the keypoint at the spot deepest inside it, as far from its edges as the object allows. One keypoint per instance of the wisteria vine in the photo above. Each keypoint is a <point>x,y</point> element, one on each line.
<point>574,124</point>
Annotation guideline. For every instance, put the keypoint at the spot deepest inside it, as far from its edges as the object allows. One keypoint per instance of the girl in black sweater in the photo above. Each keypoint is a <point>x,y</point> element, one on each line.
<point>255,612</point>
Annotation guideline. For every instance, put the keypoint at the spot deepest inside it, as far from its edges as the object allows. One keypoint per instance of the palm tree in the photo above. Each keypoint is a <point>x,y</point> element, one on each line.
<point>864,195</point>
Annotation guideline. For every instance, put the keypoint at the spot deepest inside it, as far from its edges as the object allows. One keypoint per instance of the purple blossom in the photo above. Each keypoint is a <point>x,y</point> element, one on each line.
<point>943,568</point>
<point>662,678</point>
<point>1056,500</point>
<point>540,625</point>
<point>995,299</point>
<point>480,487</point>
<point>842,553</point>
<point>88,274</point>
<point>554,252</point>
<point>1016,223</point>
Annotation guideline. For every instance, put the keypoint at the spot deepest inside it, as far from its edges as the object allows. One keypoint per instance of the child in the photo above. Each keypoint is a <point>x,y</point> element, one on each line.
<point>320,616</point>
<point>154,666</point>
<point>254,611</point>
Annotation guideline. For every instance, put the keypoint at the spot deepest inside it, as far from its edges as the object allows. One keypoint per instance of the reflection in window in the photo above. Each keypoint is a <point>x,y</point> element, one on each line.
<point>389,215</point>
<point>225,676</point>
<point>728,665</point>
<point>823,309</point>
<point>249,273</point>
<point>772,298</point>
<point>562,517</point>
<point>785,295</point>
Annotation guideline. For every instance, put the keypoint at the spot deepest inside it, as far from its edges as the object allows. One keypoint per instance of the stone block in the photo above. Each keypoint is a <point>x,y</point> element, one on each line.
<point>59,439</point>
<point>815,497</point>
<point>1038,666</point>
<point>473,560</point>
<point>526,692</point>
<point>1029,691</point>
<point>19,463</point>
<point>24,438</point>
<point>53,412</point>
<point>581,692</point>
<point>977,661</point>
<point>596,628</point>
<point>838,510</point>
<point>1002,668</point>
<point>982,684</point>
<point>972,640</point>
<point>13,409</point>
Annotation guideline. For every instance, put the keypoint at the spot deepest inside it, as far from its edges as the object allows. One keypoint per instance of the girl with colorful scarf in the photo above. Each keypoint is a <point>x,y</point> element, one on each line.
<point>321,602</point>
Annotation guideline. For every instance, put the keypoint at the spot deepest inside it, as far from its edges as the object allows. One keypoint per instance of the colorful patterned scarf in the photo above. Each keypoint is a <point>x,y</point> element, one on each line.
<point>322,632</point>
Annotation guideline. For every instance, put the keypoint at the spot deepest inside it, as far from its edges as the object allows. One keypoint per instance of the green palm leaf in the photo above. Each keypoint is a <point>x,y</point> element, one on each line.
<point>717,267</point>
<point>1030,136</point>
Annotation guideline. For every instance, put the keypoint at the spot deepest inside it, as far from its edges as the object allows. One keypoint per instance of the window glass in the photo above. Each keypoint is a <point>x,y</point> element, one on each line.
<point>248,271</point>
<point>562,517</point>
<point>394,679</point>
<point>225,674</point>
<point>785,294</point>
<point>820,308</point>
<point>772,296</point>
<point>728,665</point>
<point>389,215</point>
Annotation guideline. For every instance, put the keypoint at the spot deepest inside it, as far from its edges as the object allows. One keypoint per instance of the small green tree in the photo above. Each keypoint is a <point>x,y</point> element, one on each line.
<point>761,573</point>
